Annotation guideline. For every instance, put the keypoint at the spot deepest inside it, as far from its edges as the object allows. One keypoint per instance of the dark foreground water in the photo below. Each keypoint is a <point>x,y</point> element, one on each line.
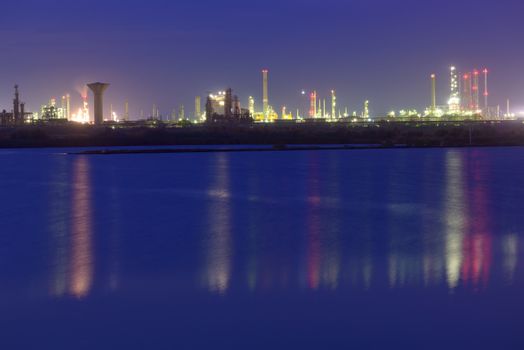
<point>381,249</point>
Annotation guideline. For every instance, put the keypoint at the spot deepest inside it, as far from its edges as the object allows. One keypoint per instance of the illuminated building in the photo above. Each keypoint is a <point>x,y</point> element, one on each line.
<point>333,104</point>
<point>215,103</point>
<point>313,105</point>
<point>251,105</point>
<point>225,107</point>
<point>454,98</point>
<point>365,115</point>
<point>285,114</point>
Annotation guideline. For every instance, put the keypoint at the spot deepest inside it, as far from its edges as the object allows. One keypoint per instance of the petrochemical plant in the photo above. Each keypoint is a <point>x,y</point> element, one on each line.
<point>468,100</point>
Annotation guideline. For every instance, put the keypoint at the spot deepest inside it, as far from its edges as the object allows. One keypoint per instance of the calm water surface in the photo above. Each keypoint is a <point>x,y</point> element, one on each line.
<point>382,249</point>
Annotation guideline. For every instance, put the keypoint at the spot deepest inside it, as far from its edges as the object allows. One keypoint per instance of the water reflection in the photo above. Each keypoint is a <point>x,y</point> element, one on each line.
<point>354,234</point>
<point>510,251</point>
<point>58,226</point>
<point>313,224</point>
<point>218,242</point>
<point>456,216</point>
<point>322,224</point>
<point>81,238</point>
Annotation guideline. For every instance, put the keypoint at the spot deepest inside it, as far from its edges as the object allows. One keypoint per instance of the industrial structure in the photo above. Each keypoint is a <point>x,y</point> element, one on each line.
<point>198,108</point>
<point>454,98</point>
<point>224,107</point>
<point>464,102</point>
<point>333,105</point>
<point>265,93</point>
<point>18,115</point>
<point>98,90</point>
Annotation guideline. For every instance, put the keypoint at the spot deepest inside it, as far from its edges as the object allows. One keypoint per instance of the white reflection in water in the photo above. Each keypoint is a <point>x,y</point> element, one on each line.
<point>455,217</point>
<point>510,250</point>
<point>82,256</point>
<point>59,207</point>
<point>218,270</point>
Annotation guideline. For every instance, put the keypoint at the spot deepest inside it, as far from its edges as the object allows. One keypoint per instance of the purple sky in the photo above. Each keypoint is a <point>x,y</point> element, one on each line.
<point>167,52</point>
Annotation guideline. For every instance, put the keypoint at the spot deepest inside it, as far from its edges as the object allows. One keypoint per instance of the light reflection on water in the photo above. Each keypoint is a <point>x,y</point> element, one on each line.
<point>456,217</point>
<point>218,241</point>
<point>437,232</point>
<point>70,227</point>
<point>399,248</point>
<point>81,235</point>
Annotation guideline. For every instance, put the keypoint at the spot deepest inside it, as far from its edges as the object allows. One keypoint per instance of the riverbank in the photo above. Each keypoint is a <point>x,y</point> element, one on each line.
<point>390,134</point>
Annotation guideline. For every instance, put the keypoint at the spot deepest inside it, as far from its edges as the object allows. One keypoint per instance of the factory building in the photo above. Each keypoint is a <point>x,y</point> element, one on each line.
<point>18,115</point>
<point>225,107</point>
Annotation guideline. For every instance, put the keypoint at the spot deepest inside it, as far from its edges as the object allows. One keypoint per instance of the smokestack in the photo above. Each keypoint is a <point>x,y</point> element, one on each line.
<point>475,88</point>
<point>333,104</point>
<point>486,92</point>
<point>313,104</point>
<point>228,103</point>
<point>433,94</point>
<point>126,111</point>
<point>252,106</point>
<point>68,107</point>
<point>265,91</point>
<point>198,112</point>
<point>16,106</point>
<point>98,90</point>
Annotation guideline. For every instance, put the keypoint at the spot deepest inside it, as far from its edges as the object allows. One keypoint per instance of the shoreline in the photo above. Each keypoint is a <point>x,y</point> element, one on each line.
<point>289,136</point>
<point>286,148</point>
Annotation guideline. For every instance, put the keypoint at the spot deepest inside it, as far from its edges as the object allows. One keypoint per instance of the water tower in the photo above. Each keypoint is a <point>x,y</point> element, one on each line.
<point>98,91</point>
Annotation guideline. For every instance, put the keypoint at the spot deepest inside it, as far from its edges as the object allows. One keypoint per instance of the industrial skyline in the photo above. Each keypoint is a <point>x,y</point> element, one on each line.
<point>463,100</point>
<point>166,53</point>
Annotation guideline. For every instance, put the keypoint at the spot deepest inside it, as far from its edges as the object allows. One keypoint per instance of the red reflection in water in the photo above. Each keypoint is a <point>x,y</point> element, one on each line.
<point>478,244</point>
<point>81,249</point>
<point>313,223</point>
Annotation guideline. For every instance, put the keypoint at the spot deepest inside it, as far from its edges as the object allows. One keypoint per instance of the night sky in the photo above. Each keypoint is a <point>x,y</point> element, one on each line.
<point>167,52</point>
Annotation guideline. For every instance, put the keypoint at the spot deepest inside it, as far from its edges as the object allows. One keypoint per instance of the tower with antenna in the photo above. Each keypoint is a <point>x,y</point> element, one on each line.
<point>475,90</point>
<point>467,101</point>
<point>486,93</point>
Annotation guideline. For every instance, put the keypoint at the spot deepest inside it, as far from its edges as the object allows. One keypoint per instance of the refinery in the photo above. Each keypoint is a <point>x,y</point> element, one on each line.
<point>468,100</point>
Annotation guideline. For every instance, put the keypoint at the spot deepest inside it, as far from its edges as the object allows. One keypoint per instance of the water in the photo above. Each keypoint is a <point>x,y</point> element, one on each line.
<point>396,249</point>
